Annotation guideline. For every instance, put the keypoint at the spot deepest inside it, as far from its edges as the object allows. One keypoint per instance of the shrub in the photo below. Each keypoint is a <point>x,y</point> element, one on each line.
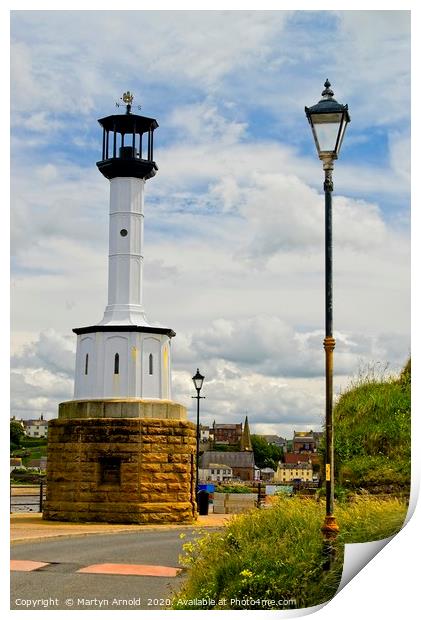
<point>234,488</point>
<point>32,442</point>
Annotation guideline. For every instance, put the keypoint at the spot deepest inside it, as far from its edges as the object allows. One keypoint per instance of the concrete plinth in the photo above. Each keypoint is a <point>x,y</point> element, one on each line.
<point>131,469</point>
<point>122,408</point>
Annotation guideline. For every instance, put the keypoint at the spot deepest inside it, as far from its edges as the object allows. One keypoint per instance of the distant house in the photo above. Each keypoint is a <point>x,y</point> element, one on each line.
<point>304,442</point>
<point>232,435</point>
<point>204,434</point>
<point>215,472</point>
<point>276,440</point>
<point>227,434</point>
<point>40,464</point>
<point>287,472</point>
<point>267,474</point>
<point>15,463</point>
<point>241,463</point>
<point>303,457</point>
<point>36,428</point>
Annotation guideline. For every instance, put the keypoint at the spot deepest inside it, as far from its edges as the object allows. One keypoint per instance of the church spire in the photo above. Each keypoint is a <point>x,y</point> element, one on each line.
<point>245,438</point>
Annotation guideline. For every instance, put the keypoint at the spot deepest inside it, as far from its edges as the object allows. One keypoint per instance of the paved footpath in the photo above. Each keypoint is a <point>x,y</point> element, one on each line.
<point>58,565</point>
<point>25,527</point>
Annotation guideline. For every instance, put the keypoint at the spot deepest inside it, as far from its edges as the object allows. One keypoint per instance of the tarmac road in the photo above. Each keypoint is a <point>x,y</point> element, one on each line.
<point>58,586</point>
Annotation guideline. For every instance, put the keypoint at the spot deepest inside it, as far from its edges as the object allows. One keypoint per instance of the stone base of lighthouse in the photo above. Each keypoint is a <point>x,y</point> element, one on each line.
<point>121,461</point>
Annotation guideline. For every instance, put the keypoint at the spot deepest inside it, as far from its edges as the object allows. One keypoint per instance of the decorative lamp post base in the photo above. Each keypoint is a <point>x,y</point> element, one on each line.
<point>330,528</point>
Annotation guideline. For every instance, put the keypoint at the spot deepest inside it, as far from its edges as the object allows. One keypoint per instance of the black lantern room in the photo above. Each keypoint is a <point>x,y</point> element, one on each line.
<point>127,144</point>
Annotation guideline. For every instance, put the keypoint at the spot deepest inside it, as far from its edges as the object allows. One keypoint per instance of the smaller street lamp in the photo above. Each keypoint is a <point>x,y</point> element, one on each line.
<point>328,120</point>
<point>198,382</point>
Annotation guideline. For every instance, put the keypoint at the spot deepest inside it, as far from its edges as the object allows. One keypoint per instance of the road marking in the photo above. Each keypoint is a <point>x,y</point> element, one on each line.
<point>131,569</point>
<point>26,566</point>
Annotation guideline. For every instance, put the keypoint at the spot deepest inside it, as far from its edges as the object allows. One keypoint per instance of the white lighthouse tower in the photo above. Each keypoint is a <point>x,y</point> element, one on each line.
<point>122,451</point>
<point>125,356</point>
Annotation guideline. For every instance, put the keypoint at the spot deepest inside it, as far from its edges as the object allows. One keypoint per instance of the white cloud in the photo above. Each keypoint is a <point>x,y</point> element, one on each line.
<point>400,155</point>
<point>46,204</point>
<point>270,347</point>
<point>266,400</point>
<point>36,391</point>
<point>203,123</point>
<point>233,224</point>
<point>376,52</point>
<point>213,279</point>
<point>232,172</point>
<point>67,73</point>
<point>51,351</point>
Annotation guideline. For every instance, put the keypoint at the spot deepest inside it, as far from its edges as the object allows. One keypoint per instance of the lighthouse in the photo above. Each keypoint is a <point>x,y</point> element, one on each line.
<point>122,451</point>
<point>124,355</point>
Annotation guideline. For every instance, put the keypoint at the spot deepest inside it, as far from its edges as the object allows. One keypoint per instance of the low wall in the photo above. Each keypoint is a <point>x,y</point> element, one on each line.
<point>233,503</point>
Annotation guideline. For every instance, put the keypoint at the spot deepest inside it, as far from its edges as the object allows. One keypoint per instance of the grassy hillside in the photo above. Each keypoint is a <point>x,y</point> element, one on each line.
<point>275,556</point>
<point>373,434</point>
<point>272,559</point>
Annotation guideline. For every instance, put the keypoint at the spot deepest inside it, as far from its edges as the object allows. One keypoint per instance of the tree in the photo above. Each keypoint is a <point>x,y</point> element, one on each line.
<point>16,434</point>
<point>265,454</point>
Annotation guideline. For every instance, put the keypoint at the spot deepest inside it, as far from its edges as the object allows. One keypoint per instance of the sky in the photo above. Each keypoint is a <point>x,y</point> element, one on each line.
<point>234,219</point>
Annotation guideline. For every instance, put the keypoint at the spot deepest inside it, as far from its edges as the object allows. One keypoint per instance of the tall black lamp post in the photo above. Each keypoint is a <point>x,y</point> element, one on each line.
<point>198,382</point>
<point>328,120</point>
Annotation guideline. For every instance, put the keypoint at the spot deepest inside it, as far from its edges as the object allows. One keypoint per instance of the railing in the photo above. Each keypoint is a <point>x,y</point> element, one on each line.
<point>25,497</point>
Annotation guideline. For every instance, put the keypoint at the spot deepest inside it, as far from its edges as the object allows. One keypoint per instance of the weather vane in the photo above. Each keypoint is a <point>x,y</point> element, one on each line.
<point>127,99</point>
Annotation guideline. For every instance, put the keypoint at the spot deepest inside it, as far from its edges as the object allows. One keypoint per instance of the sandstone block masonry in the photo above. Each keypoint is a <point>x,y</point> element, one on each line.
<point>121,470</point>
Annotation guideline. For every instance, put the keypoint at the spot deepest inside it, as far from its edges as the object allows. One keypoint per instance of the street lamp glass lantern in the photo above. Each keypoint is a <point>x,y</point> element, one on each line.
<point>198,380</point>
<point>328,120</point>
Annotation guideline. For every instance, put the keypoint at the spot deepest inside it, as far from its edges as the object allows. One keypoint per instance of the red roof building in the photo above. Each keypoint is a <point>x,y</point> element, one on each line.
<point>294,459</point>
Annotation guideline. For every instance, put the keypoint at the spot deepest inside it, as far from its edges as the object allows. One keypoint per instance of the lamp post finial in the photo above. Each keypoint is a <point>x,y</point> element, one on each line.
<point>328,92</point>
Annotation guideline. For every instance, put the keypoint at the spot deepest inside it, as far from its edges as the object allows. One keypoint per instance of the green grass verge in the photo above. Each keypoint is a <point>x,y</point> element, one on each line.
<point>276,555</point>
<point>373,433</point>
<point>31,452</point>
